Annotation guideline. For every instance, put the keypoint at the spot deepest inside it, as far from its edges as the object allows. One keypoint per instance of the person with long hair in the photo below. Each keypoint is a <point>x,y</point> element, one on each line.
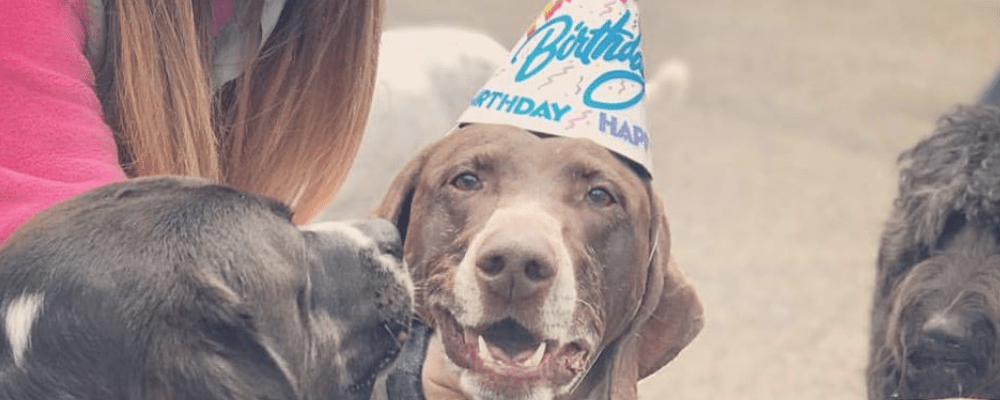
<point>269,96</point>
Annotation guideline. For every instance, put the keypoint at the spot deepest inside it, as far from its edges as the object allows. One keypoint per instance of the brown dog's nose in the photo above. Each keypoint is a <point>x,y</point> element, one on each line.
<point>515,265</point>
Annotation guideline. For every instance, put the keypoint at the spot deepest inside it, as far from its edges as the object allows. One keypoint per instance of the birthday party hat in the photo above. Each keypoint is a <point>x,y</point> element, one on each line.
<point>577,72</point>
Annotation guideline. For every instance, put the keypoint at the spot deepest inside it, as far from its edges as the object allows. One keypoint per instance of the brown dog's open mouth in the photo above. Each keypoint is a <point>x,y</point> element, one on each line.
<point>509,352</point>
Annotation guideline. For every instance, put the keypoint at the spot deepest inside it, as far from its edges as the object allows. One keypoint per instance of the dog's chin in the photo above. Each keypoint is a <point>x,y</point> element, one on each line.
<point>372,370</point>
<point>505,360</point>
<point>929,377</point>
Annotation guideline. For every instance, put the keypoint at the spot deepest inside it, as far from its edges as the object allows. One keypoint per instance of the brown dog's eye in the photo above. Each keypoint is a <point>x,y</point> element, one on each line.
<point>600,197</point>
<point>467,181</point>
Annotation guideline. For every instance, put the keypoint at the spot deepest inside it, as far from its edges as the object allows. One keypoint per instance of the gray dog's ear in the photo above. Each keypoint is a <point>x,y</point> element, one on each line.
<point>214,351</point>
<point>669,317</point>
<point>395,205</point>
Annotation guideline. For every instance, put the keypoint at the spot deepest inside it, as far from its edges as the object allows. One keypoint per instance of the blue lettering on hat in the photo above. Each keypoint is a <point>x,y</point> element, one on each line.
<point>519,105</point>
<point>625,132</point>
<point>639,137</point>
<point>631,134</point>
<point>588,95</point>
<point>559,38</point>
<point>543,111</point>
<point>478,100</point>
<point>493,98</point>
<point>607,123</point>
<point>525,105</point>
<point>560,111</point>
<point>507,102</point>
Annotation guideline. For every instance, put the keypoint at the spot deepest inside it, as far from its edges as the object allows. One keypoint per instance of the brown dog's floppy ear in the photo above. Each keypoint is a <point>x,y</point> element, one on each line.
<point>676,311</point>
<point>395,205</point>
<point>675,322</point>
<point>669,317</point>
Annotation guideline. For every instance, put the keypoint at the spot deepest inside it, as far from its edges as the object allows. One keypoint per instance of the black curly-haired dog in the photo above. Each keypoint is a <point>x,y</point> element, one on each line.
<point>936,307</point>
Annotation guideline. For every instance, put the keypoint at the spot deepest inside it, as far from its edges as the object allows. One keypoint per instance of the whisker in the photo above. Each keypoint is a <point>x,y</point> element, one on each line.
<point>590,308</point>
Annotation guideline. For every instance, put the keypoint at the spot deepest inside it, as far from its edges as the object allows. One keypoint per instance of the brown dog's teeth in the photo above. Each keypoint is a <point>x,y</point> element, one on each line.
<point>536,357</point>
<point>492,355</point>
<point>484,351</point>
<point>467,336</point>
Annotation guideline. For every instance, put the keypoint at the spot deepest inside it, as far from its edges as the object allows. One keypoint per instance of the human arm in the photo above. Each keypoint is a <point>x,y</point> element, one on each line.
<point>53,140</point>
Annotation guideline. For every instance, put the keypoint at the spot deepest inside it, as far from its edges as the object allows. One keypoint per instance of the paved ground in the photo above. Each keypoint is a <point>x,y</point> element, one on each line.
<point>778,170</point>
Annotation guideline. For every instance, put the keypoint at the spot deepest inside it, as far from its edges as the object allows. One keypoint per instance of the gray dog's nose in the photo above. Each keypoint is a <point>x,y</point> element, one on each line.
<point>956,336</point>
<point>947,329</point>
<point>515,265</point>
<point>385,235</point>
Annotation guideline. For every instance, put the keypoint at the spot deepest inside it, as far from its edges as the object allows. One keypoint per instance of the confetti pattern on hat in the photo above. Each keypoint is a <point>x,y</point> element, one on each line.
<point>577,72</point>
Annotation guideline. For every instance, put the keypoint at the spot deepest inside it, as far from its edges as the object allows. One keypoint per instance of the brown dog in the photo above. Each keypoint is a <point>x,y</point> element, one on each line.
<point>542,266</point>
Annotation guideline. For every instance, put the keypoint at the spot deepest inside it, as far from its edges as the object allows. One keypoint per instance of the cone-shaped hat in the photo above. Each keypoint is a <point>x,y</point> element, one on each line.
<point>577,72</point>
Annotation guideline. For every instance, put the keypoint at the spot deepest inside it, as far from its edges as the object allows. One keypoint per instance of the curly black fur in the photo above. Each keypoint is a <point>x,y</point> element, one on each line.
<point>939,265</point>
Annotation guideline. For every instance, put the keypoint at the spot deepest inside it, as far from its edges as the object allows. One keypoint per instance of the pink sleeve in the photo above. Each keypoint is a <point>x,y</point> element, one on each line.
<point>53,141</point>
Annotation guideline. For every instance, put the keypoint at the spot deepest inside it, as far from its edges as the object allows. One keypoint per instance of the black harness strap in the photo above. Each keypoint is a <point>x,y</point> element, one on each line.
<point>403,382</point>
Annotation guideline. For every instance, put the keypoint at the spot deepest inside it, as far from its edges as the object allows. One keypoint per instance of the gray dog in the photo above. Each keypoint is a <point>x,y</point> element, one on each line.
<point>170,288</point>
<point>937,295</point>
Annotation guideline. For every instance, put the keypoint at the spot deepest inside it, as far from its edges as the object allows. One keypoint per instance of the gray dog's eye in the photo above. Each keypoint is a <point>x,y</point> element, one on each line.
<point>600,197</point>
<point>467,181</point>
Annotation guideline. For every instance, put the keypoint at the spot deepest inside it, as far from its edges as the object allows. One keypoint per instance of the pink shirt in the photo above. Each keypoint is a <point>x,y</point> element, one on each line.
<point>53,140</point>
<point>54,143</point>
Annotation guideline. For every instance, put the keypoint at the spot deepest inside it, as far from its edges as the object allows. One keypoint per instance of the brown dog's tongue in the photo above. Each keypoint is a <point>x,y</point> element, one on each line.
<point>527,358</point>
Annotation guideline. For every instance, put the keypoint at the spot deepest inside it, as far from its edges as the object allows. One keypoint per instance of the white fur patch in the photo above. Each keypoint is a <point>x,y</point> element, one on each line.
<point>344,228</point>
<point>559,305</point>
<point>327,330</point>
<point>360,239</point>
<point>18,321</point>
<point>467,293</point>
<point>469,385</point>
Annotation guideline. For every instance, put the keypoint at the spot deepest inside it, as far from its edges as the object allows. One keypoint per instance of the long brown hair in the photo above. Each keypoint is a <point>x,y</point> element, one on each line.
<point>288,127</point>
